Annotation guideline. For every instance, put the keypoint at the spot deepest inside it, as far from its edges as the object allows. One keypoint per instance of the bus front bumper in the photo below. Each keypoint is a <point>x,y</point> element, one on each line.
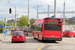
<point>56,39</point>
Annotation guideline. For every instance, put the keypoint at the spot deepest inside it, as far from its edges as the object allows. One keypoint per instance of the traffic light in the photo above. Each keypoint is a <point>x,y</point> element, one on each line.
<point>10,10</point>
<point>4,24</point>
<point>28,25</point>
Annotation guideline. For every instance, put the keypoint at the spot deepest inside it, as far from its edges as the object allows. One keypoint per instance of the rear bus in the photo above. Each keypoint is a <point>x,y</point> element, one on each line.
<point>52,29</point>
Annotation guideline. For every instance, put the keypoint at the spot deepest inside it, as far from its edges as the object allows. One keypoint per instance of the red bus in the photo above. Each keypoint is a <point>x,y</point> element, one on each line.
<point>48,29</point>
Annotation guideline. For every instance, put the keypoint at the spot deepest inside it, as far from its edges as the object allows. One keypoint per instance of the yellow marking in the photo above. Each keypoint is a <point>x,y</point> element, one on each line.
<point>41,46</point>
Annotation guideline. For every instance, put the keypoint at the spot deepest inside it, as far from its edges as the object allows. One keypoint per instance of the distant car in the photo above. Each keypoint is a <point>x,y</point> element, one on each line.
<point>68,33</point>
<point>18,36</point>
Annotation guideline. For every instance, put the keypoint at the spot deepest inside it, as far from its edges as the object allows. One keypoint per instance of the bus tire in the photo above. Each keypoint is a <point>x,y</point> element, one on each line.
<point>12,42</point>
<point>63,35</point>
<point>68,36</point>
<point>33,36</point>
<point>38,38</point>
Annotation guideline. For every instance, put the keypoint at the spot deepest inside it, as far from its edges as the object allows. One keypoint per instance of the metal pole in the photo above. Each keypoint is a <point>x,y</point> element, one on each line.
<point>15,17</point>
<point>64,17</point>
<point>37,11</point>
<point>28,11</point>
<point>5,23</point>
<point>64,14</point>
<point>54,8</point>
<point>5,29</point>
<point>48,10</point>
<point>28,18</point>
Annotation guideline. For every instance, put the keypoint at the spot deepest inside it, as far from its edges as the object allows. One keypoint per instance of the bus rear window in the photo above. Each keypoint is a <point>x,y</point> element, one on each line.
<point>52,27</point>
<point>51,19</point>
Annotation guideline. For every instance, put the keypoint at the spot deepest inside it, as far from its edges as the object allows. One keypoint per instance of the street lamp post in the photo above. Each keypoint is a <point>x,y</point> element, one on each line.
<point>15,17</point>
<point>37,10</point>
<point>54,8</point>
<point>28,18</point>
<point>48,10</point>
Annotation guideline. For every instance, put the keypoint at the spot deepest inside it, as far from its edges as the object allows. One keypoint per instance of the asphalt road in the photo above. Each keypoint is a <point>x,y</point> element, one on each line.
<point>33,44</point>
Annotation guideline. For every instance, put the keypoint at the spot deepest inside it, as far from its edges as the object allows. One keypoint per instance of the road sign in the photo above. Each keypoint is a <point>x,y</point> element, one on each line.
<point>9,25</point>
<point>1,26</point>
<point>52,16</point>
<point>4,27</point>
<point>5,31</point>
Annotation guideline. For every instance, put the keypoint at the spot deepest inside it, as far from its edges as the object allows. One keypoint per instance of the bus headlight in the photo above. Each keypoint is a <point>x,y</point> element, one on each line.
<point>44,38</point>
<point>59,39</point>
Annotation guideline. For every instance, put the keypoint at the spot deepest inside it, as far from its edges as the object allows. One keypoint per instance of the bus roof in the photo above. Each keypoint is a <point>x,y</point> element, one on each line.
<point>49,18</point>
<point>39,21</point>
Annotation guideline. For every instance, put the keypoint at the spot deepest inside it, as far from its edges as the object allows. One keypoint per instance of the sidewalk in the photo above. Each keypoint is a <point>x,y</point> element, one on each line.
<point>7,37</point>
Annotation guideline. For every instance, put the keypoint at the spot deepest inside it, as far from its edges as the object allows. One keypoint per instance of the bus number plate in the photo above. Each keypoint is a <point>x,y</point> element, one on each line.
<point>52,35</point>
<point>17,36</point>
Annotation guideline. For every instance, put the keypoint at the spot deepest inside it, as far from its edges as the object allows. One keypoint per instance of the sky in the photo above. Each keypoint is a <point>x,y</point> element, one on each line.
<point>22,8</point>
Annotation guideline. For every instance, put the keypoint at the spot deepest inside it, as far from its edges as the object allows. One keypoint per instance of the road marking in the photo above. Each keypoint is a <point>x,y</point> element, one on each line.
<point>68,42</point>
<point>3,44</point>
<point>29,37</point>
<point>41,46</point>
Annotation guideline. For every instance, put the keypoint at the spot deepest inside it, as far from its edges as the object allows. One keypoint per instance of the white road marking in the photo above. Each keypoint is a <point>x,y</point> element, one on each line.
<point>3,44</point>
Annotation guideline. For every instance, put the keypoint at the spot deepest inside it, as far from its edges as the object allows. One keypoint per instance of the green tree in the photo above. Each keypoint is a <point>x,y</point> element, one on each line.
<point>23,20</point>
<point>7,23</point>
<point>32,21</point>
<point>12,24</point>
<point>1,22</point>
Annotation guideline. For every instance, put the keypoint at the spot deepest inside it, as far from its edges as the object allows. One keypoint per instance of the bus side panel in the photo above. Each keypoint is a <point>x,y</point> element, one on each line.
<point>40,35</point>
<point>37,34</point>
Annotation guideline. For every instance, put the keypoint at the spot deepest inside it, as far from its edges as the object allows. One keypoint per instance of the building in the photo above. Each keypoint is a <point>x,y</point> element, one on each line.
<point>70,21</point>
<point>12,20</point>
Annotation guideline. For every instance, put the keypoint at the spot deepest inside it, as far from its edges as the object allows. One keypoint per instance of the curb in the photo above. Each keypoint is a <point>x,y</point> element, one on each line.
<point>0,40</point>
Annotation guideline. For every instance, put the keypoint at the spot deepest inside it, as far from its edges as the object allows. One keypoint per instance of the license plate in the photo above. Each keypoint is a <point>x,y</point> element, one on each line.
<point>17,36</point>
<point>52,35</point>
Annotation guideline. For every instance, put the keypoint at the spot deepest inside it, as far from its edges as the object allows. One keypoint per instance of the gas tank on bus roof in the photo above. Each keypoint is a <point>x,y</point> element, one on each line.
<point>37,21</point>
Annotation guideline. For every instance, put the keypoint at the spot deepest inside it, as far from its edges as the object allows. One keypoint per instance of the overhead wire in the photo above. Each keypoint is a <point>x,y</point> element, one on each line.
<point>41,2</point>
<point>35,4</point>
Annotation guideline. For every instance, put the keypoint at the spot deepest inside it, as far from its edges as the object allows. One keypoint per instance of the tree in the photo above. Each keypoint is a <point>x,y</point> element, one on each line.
<point>7,23</point>
<point>23,20</point>
<point>32,21</point>
<point>1,22</point>
<point>12,24</point>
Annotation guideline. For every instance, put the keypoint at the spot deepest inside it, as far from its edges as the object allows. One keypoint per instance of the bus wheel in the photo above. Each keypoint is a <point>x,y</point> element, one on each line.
<point>63,35</point>
<point>68,36</point>
<point>38,38</point>
<point>33,36</point>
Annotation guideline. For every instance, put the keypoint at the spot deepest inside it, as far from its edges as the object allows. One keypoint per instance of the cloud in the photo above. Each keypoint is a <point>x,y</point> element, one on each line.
<point>22,7</point>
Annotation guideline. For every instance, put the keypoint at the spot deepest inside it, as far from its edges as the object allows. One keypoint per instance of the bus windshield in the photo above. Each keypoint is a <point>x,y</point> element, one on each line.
<point>52,27</point>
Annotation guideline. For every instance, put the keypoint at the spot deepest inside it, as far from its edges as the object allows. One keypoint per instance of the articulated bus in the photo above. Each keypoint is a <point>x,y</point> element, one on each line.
<point>48,29</point>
